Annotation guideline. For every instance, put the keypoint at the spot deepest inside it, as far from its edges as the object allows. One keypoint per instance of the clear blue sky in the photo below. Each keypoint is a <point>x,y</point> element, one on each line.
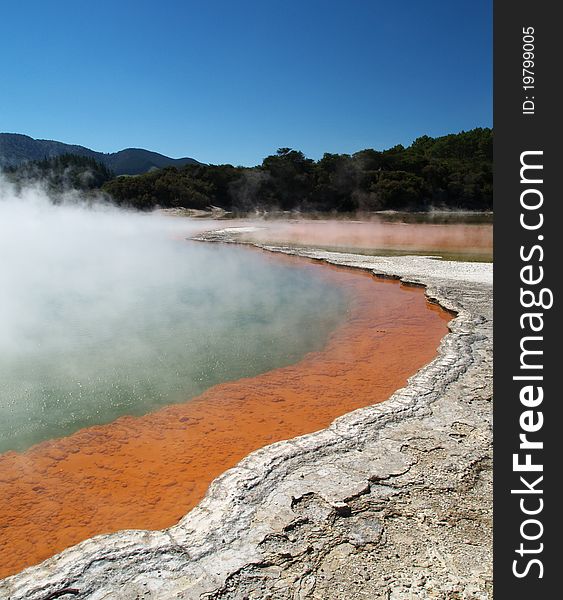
<point>231,81</point>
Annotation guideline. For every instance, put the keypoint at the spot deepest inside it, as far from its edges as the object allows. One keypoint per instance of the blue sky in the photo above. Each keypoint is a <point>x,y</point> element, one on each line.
<point>231,81</point>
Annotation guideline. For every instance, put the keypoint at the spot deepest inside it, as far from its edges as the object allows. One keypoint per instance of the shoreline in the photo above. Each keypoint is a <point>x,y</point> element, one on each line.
<point>299,509</point>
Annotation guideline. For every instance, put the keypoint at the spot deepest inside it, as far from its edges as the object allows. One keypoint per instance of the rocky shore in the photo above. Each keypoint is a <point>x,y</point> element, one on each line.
<point>392,501</point>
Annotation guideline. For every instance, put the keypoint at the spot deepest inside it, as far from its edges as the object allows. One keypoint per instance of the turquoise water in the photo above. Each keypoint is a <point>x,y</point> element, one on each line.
<point>122,330</point>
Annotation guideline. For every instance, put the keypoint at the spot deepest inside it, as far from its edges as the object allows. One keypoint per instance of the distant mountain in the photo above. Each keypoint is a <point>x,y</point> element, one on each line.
<point>16,149</point>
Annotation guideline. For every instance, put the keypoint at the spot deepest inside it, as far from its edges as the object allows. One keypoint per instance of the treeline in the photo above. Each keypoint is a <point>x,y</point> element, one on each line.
<point>451,172</point>
<point>61,173</point>
<point>454,171</point>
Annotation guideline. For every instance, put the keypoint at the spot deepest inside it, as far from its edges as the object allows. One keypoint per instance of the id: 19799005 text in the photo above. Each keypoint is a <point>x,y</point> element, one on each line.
<point>528,72</point>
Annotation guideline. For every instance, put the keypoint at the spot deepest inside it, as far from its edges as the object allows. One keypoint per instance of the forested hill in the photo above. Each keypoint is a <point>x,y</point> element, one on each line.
<point>17,149</point>
<point>451,172</point>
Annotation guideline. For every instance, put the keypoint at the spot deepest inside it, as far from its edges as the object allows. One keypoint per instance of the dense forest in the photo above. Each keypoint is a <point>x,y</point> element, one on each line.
<point>451,172</point>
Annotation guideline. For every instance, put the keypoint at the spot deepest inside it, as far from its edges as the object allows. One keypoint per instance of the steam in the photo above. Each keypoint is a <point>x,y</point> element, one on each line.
<point>107,312</point>
<point>79,259</point>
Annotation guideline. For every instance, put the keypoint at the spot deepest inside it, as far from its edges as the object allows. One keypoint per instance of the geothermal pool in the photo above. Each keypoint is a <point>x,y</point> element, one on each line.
<point>136,366</point>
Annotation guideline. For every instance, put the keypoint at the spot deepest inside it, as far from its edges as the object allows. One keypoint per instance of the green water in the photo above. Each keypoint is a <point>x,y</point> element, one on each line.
<point>106,341</point>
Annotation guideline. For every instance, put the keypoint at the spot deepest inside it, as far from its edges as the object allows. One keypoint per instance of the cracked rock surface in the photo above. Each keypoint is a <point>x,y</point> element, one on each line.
<point>392,501</point>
